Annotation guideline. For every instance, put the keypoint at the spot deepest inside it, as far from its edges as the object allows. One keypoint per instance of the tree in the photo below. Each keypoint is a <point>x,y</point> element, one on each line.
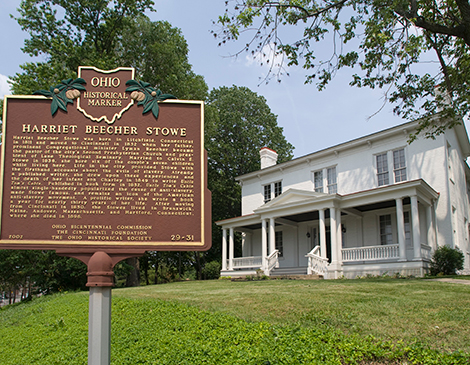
<point>384,41</point>
<point>106,34</point>
<point>69,34</point>
<point>238,123</point>
<point>165,60</point>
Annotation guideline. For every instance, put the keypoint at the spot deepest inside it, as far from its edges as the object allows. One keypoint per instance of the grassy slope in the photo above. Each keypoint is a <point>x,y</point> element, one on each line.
<point>435,313</point>
<point>53,330</point>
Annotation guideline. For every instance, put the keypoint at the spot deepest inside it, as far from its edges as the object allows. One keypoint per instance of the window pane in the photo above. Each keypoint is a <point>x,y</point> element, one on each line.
<point>278,243</point>
<point>406,219</point>
<point>382,169</point>
<point>318,181</point>
<point>267,193</point>
<point>386,229</point>
<point>399,165</point>
<point>277,188</point>
<point>398,159</point>
<point>331,177</point>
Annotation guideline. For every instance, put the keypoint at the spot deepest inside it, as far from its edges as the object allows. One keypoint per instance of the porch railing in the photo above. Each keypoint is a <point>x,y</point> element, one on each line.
<point>272,262</point>
<point>247,262</point>
<point>316,263</point>
<point>370,253</point>
<point>426,252</point>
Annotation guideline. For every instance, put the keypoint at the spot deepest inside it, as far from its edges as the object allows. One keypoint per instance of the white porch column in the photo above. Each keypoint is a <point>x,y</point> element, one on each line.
<point>335,263</point>
<point>321,214</point>
<point>264,244</point>
<point>272,235</point>
<point>224,249</point>
<point>430,224</point>
<point>401,229</point>
<point>333,233</point>
<point>339,237</point>
<point>231,250</point>
<point>415,228</point>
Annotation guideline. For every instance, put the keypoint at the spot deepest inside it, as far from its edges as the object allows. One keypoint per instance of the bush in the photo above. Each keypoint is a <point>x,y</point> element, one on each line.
<point>212,270</point>
<point>446,261</point>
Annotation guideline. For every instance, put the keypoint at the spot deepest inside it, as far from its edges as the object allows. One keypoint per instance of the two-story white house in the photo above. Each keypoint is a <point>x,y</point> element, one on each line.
<point>373,205</point>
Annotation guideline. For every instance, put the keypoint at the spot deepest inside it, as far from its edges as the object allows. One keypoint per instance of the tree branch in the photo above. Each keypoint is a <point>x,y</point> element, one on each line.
<point>307,13</point>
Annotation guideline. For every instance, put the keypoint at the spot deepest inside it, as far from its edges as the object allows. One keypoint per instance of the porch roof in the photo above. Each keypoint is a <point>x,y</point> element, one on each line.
<point>295,206</point>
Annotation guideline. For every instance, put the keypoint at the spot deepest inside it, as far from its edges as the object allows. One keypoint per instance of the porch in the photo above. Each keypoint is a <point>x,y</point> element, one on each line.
<point>385,230</point>
<point>358,261</point>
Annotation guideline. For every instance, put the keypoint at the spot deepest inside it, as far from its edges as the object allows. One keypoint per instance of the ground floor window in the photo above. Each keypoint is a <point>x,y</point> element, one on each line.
<point>278,243</point>
<point>386,229</point>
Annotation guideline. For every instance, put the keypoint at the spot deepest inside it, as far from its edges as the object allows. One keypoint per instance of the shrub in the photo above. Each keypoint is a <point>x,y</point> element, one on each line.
<point>446,261</point>
<point>212,270</point>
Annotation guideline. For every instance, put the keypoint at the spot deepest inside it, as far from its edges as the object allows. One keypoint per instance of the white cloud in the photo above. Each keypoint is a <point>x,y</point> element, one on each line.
<point>268,56</point>
<point>4,86</point>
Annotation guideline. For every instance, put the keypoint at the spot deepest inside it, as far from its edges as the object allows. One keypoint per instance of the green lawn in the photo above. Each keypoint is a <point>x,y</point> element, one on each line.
<point>435,313</point>
<point>380,322</point>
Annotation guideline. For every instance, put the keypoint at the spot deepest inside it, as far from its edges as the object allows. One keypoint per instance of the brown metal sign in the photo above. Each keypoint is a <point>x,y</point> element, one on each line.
<point>100,174</point>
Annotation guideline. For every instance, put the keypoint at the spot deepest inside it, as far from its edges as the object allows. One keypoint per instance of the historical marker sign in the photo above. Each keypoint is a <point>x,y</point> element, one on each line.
<point>103,164</point>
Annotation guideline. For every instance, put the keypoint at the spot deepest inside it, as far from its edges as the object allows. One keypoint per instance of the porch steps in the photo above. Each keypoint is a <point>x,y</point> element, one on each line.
<point>294,273</point>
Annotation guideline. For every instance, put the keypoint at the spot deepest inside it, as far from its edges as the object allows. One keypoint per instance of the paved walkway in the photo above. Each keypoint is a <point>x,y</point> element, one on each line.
<point>453,281</point>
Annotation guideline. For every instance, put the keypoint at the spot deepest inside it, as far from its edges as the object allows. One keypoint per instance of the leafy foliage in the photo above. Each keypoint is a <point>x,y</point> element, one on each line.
<point>44,270</point>
<point>238,123</point>
<point>386,43</point>
<point>155,331</point>
<point>446,261</point>
<point>164,62</point>
<point>105,34</point>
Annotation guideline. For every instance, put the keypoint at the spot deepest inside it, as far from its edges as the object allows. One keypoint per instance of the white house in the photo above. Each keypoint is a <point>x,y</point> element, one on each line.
<point>373,205</point>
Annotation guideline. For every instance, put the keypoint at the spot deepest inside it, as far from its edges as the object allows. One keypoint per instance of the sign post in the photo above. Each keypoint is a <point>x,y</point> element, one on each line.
<point>103,168</point>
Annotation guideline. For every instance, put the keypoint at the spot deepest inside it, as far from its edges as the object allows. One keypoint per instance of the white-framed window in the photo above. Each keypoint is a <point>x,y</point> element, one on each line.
<point>399,165</point>
<point>406,219</point>
<point>385,223</point>
<point>318,181</point>
<point>277,188</point>
<point>382,169</point>
<point>391,167</point>
<point>278,242</point>
<point>270,191</point>
<point>331,180</point>
<point>325,180</point>
<point>267,193</point>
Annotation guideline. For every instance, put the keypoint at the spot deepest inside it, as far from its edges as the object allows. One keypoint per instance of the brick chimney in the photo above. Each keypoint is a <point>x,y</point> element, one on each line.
<point>268,157</point>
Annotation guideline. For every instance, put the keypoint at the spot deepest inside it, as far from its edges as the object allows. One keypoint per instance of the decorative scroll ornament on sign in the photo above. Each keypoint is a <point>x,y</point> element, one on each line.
<point>106,98</point>
<point>147,96</point>
<point>63,94</point>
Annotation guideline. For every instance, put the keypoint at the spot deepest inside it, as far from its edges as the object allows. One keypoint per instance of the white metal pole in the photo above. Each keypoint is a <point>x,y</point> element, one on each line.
<point>99,326</point>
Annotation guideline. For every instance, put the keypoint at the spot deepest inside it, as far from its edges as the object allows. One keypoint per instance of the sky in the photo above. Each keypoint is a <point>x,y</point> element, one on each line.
<point>311,120</point>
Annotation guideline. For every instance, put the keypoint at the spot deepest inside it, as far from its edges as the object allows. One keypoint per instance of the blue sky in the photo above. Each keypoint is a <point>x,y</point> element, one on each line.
<point>312,120</point>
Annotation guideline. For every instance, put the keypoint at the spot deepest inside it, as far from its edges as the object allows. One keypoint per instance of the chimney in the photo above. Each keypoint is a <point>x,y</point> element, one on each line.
<point>268,157</point>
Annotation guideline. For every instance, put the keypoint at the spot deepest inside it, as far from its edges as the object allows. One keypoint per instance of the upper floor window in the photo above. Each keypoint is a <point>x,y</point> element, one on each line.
<point>382,169</point>
<point>325,178</point>
<point>385,168</point>
<point>272,190</point>
<point>318,181</point>
<point>399,165</point>
<point>277,188</point>
<point>267,193</point>
<point>332,184</point>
